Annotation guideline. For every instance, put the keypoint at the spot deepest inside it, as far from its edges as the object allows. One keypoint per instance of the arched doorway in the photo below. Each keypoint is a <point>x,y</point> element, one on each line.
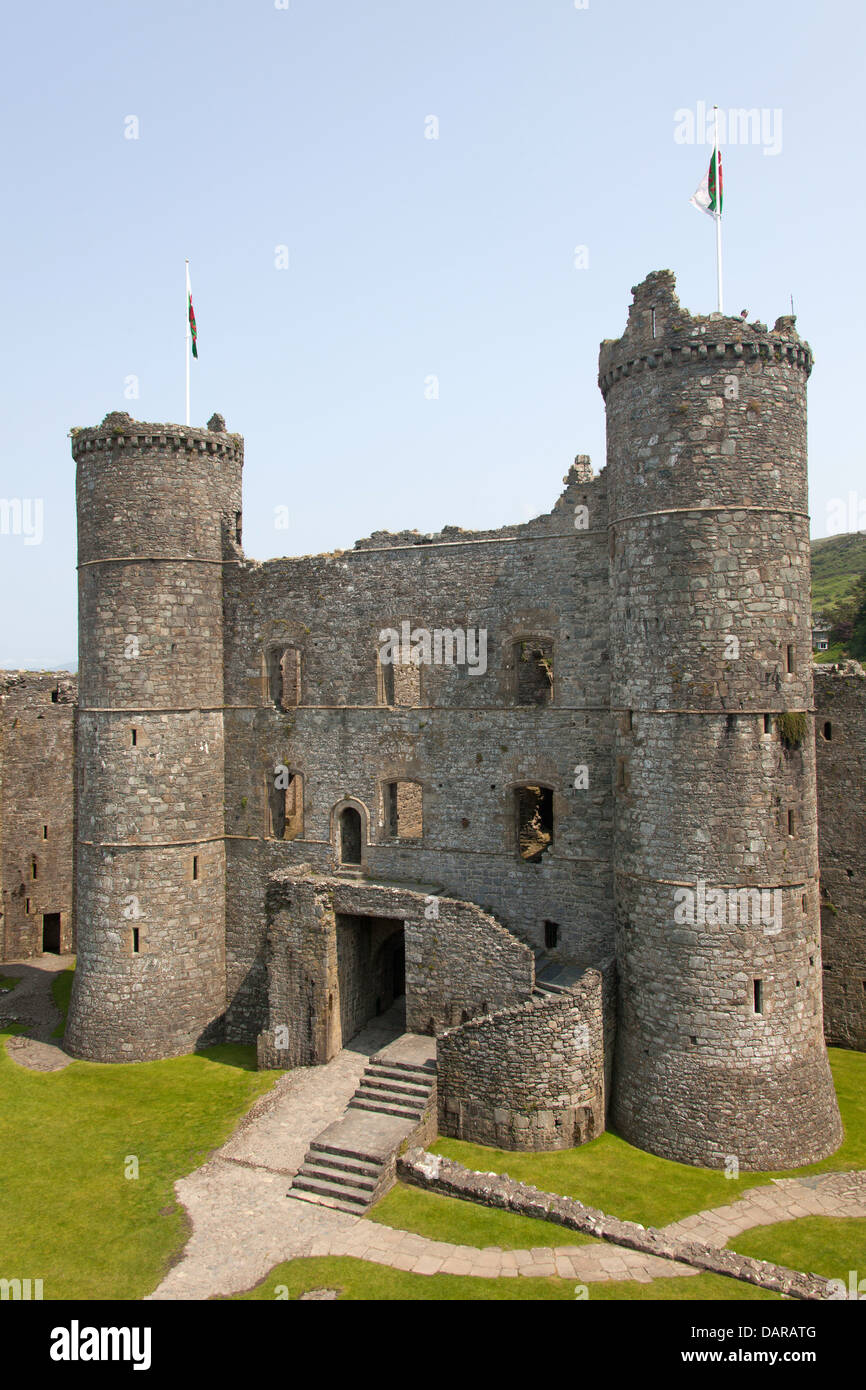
<point>350,842</point>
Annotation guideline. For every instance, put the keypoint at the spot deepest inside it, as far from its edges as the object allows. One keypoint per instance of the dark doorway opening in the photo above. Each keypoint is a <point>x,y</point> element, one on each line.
<point>350,836</point>
<point>51,933</point>
<point>371,969</point>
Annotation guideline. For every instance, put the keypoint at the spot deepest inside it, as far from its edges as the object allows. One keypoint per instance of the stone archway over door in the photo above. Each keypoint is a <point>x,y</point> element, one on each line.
<point>371,969</point>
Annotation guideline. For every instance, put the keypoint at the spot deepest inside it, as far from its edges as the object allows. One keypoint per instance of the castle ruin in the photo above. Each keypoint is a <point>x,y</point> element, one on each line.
<point>545,782</point>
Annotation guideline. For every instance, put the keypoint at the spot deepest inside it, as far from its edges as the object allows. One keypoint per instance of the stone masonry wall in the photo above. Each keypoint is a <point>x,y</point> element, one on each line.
<point>158,520</point>
<point>37,750</point>
<point>840,725</point>
<point>458,961</point>
<point>531,1077</point>
<point>466,744</point>
<point>720,1048</point>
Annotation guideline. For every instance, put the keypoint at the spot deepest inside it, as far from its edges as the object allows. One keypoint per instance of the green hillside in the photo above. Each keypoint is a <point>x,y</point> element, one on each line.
<point>836,563</point>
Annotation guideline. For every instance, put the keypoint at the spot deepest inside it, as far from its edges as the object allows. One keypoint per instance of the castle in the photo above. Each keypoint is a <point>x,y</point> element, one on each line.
<point>555,783</point>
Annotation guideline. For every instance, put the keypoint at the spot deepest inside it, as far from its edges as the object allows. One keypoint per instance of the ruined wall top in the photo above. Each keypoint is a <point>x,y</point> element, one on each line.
<point>660,332</point>
<point>119,431</point>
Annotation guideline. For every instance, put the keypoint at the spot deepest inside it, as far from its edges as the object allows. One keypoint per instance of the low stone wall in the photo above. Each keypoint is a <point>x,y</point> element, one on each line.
<point>437,1174</point>
<point>530,1077</point>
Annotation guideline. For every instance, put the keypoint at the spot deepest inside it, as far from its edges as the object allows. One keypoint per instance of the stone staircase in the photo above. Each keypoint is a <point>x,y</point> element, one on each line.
<point>351,1163</point>
<point>395,1088</point>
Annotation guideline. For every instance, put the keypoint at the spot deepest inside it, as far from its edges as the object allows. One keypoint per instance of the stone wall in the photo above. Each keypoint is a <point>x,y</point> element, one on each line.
<point>158,520</point>
<point>434,1173</point>
<point>466,744</point>
<point>458,962</point>
<point>37,750</point>
<point>531,1077</point>
<point>840,725</point>
<point>720,1047</point>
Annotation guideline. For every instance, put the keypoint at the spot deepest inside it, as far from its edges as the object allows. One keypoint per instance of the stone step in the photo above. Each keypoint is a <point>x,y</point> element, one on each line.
<point>392,1097</point>
<point>546,987</point>
<point>336,1190</point>
<point>403,1112</point>
<point>356,1155</point>
<point>337,1158</point>
<point>385,1081</point>
<point>326,1173</point>
<point>318,1199</point>
<point>427,1070</point>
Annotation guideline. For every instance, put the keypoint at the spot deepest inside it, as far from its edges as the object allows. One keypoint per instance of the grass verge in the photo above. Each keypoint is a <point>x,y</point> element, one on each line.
<point>359,1280</point>
<point>464,1223</point>
<point>827,1245</point>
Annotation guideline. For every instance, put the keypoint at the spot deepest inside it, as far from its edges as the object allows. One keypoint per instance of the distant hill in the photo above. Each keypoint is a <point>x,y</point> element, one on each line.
<point>836,563</point>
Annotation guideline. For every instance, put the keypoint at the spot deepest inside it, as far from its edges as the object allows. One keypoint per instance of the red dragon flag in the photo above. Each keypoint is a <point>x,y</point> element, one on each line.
<point>193,331</point>
<point>708,195</point>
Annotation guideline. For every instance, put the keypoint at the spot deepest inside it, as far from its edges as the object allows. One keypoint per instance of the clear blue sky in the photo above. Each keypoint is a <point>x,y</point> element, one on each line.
<point>261,127</point>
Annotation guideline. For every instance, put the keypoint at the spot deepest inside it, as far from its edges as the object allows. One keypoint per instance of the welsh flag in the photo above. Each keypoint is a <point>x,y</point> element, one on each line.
<point>708,195</point>
<point>193,331</point>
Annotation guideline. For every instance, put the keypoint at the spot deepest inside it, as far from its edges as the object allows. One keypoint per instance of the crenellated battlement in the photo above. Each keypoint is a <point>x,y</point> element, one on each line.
<point>119,431</point>
<point>660,333</point>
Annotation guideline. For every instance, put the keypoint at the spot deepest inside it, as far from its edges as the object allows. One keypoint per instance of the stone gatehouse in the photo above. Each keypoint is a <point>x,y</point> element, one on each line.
<point>477,767</point>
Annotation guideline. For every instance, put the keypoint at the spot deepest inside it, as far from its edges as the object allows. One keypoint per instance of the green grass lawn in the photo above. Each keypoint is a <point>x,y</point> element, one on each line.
<point>820,1244</point>
<point>7,982</point>
<point>465,1223</point>
<point>627,1182</point>
<point>359,1280</point>
<point>836,563</point>
<point>68,1213</point>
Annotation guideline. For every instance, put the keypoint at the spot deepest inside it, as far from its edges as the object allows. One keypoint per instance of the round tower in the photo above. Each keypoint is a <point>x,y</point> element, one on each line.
<point>159,510</point>
<point>720,1047</point>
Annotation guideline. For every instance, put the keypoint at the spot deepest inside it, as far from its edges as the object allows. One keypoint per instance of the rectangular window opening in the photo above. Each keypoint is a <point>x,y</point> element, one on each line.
<point>758,996</point>
<point>404,810</point>
<point>194,867</point>
<point>399,683</point>
<point>135,941</point>
<point>789,660</point>
<point>533,671</point>
<point>768,724</point>
<point>534,809</point>
<point>135,738</point>
<point>551,935</point>
<point>285,793</point>
<point>45,832</point>
<point>792,822</point>
<point>284,677</point>
<point>34,869</point>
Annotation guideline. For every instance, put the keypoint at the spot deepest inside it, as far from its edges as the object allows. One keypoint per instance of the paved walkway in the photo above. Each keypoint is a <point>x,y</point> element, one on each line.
<point>242,1222</point>
<point>31,1004</point>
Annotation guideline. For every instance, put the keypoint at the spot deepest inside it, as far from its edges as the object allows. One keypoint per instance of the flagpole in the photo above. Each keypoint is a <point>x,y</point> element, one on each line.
<point>187,341</point>
<point>718,213</point>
